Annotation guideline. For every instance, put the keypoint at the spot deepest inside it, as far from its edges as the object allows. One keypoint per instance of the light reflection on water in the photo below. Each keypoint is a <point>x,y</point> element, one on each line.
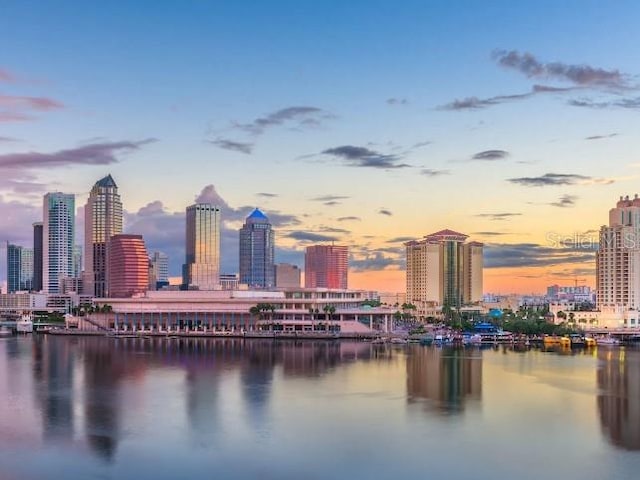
<point>138,408</point>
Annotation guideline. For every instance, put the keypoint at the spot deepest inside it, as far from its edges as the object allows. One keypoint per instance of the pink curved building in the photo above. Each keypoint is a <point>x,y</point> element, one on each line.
<point>128,273</point>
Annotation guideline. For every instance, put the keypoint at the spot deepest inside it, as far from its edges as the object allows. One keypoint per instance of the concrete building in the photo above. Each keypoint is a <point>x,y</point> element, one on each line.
<point>201,270</point>
<point>443,269</point>
<point>128,266</point>
<point>257,245</point>
<point>37,256</point>
<point>618,262</point>
<point>577,293</point>
<point>287,275</point>
<point>58,232</point>
<point>229,281</point>
<point>326,266</point>
<point>102,220</point>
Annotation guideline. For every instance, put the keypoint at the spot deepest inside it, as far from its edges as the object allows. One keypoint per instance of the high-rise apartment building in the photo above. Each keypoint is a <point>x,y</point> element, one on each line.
<point>77,261</point>
<point>326,266</point>
<point>58,237</point>
<point>287,275</point>
<point>128,266</point>
<point>102,220</point>
<point>444,269</point>
<point>257,251</point>
<point>19,268</point>
<point>618,261</point>
<point>37,256</point>
<point>201,270</point>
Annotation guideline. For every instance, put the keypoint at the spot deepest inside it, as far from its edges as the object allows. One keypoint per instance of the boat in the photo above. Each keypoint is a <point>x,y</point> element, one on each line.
<point>607,341</point>
<point>5,332</point>
<point>551,341</point>
<point>25,324</point>
<point>468,339</point>
<point>589,342</point>
<point>565,342</point>
<point>576,340</point>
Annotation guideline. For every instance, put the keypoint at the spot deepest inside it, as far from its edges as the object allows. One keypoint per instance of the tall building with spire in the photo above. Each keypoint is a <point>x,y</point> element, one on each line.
<point>102,220</point>
<point>201,270</point>
<point>444,269</point>
<point>58,237</point>
<point>257,251</point>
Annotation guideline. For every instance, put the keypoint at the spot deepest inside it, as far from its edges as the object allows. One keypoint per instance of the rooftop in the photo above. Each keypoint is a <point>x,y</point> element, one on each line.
<point>106,182</point>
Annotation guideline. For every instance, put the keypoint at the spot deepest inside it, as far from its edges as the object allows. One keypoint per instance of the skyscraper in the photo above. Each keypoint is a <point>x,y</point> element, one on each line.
<point>58,233</point>
<point>257,251</point>
<point>14,254</point>
<point>326,266</point>
<point>77,261</point>
<point>618,262</point>
<point>37,256</point>
<point>160,269</point>
<point>102,220</point>
<point>444,270</point>
<point>128,266</point>
<point>287,275</point>
<point>202,263</point>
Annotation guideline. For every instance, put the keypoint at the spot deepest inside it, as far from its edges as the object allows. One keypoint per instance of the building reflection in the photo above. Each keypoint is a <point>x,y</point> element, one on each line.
<point>444,379</point>
<point>618,379</point>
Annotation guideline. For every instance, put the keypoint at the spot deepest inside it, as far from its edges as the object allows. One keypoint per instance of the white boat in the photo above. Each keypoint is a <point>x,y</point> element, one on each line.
<point>25,324</point>
<point>607,341</point>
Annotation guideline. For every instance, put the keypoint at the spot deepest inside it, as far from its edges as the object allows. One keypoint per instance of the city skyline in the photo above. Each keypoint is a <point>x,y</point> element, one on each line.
<point>422,116</point>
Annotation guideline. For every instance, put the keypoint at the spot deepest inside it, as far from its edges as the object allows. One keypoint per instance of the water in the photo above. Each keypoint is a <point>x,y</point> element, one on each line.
<point>197,408</point>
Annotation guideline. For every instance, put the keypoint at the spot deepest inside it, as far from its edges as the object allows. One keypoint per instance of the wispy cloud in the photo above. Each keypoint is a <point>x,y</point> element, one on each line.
<point>8,140</point>
<point>267,195</point>
<point>490,155</point>
<point>555,179</point>
<point>93,154</point>
<point>498,216</point>
<point>501,255</point>
<point>384,211</point>
<point>397,101</point>
<point>363,157</point>
<point>475,103</point>
<point>304,236</point>
<point>600,137</point>
<point>582,75</point>
<point>489,234</point>
<point>226,144</point>
<point>400,239</point>
<point>28,103</point>
<point>329,198</point>
<point>630,103</point>
<point>565,201</point>
<point>6,76</point>
<point>297,117</point>
<point>428,172</point>
<point>349,219</point>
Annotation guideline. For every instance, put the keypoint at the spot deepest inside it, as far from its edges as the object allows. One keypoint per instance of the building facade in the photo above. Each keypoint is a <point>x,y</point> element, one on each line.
<point>19,268</point>
<point>102,220</point>
<point>287,275</point>
<point>128,266</point>
<point>58,235</point>
<point>618,261</point>
<point>201,270</point>
<point>326,266</point>
<point>257,251</point>
<point>159,270</point>
<point>443,269</point>
<point>37,256</point>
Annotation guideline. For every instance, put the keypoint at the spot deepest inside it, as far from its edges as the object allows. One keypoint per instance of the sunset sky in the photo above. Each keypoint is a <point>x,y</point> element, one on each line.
<point>367,123</point>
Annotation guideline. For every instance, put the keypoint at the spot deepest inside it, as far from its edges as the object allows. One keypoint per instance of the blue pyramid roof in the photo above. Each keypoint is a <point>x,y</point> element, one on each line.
<point>257,215</point>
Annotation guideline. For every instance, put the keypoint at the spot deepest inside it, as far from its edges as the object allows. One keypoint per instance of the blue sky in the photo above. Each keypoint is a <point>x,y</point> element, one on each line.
<point>246,96</point>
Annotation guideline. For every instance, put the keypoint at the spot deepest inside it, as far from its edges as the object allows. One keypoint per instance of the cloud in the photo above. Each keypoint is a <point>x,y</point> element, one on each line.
<point>6,76</point>
<point>583,75</point>
<point>630,103</point>
<point>533,255</point>
<point>373,261</point>
<point>28,103</point>
<point>298,116</point>
<point>400,239</point>
<point>600,137</point>
<point>565,201</point>
<point>386,212</point>
<point>364,157</point>
<point>397,101</point>
<point>434,173</point>
<point>554,179</point>
<point>475,103</point>
<point>267,195</point>
<point>8,139</point>
<point>16,227</point>
<point>93,154</point>
<point>498,216</point>
<point>6,117</point>
<point>349,219</point>
<point>329,198</point>
<point>242,147</point>
<point>489,234</point>
<point>332,203</point>
<point>311,236</point>
<point>490,155</point>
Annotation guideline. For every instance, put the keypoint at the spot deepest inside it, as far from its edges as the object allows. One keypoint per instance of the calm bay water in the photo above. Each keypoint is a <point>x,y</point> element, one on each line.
<point>200,408</point>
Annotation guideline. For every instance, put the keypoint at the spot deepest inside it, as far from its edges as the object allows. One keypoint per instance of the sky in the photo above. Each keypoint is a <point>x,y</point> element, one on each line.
<point>366,123</point>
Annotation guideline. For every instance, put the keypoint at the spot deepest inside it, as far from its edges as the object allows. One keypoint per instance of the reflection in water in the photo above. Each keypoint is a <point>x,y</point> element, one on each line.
<point>619,396</point>
<point>446,377</point>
